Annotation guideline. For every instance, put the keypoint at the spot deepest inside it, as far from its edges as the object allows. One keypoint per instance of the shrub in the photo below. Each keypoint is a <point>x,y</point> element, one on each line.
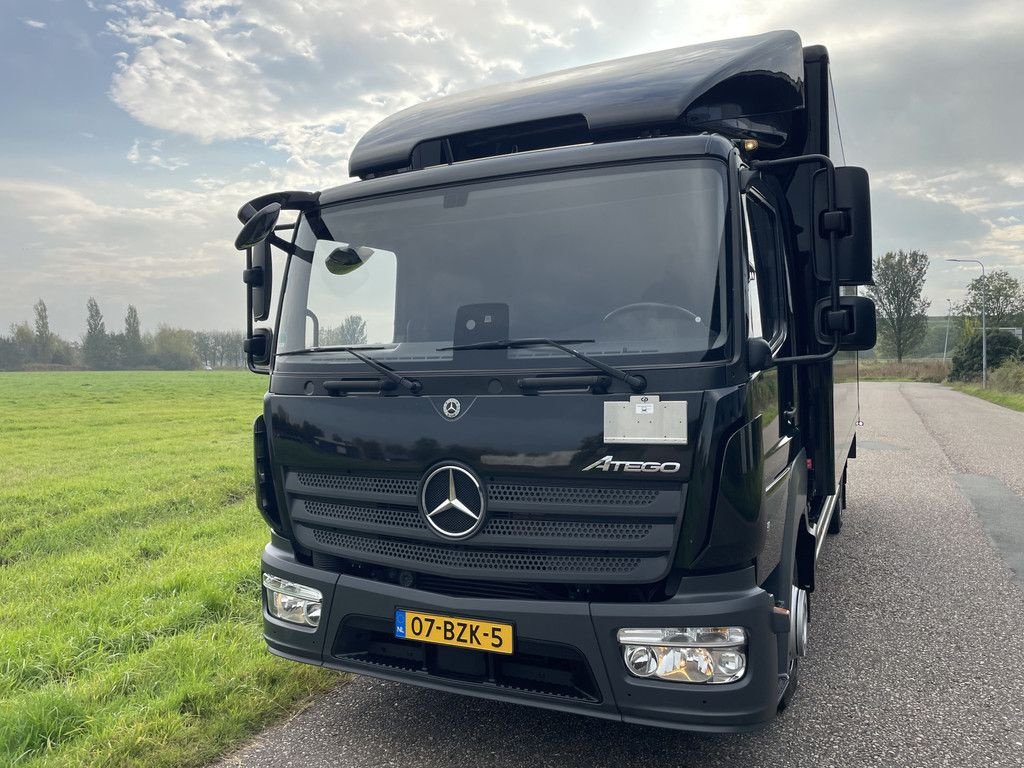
<point>1002,346</point>
<point>1009,376</point>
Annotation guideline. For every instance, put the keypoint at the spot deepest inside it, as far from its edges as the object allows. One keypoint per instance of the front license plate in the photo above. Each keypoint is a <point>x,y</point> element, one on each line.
<point>452,630</point>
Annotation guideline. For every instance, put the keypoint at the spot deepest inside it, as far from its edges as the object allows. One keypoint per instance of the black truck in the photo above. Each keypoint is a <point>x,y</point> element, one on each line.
<point>563,387</point>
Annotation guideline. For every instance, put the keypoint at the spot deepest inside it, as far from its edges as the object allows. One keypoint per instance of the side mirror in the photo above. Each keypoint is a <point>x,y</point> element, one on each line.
<point>259,279</point>
<point>850,218</point>
<point>855,321</point>
<point>258,348</point>
<point>259,227</point>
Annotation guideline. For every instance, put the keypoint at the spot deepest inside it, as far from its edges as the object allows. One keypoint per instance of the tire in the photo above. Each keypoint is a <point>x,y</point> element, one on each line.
<point>794,682</point>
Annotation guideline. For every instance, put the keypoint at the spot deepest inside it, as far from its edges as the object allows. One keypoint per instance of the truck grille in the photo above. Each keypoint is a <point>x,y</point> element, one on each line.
<point>408,517</point>
<point>579,533</point>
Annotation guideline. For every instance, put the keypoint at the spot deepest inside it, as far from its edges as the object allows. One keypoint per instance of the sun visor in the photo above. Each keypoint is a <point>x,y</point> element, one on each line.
<point>747,87</point>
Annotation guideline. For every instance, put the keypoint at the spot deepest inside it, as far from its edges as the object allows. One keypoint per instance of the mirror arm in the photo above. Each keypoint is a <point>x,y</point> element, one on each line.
<point>821,357</point>
<point>280,242</point>
<point>289,201</point>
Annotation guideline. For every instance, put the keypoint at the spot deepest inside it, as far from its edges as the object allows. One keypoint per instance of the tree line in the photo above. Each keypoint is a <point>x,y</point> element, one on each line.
<point>34,346</point>
<point>903,324</point>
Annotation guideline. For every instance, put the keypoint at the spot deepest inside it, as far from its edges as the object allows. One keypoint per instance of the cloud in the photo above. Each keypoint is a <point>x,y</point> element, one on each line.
<point>309,83</point>
<point>34,23</point>
<point>288,89</point>
<point>124,244</point>
<point>138,155</point>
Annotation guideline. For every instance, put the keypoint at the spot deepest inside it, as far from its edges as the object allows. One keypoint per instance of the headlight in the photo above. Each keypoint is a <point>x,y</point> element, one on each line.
<point>686,654</point>
<point>292,602</point>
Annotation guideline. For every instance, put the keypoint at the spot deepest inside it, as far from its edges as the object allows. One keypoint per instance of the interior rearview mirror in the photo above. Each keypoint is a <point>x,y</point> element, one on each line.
<point>341,258</point>
<point>850,218</point>
<point>855,322</point>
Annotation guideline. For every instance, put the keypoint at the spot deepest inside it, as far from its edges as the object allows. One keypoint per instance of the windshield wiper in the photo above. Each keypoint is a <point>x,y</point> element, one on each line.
<point>410,384</point>
<point>636,383</point>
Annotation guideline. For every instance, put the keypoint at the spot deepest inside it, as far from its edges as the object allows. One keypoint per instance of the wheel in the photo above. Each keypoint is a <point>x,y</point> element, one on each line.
<point>651,305</point>
<point>799,619</point>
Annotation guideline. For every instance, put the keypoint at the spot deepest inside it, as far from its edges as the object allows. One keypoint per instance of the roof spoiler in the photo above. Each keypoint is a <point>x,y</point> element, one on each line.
<point>748,87</point>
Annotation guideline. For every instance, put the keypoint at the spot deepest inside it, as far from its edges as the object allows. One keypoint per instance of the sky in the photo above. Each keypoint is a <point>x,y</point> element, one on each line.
<point>133,130</point>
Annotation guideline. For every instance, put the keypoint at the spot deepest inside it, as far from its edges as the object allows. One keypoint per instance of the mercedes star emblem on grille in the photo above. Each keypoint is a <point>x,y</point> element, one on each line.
<point>452,501</point>
<point>451,407</point>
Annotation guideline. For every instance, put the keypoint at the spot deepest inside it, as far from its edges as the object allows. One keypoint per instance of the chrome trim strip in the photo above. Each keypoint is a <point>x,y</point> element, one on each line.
<point>820,530</point>
<point>784,474</point>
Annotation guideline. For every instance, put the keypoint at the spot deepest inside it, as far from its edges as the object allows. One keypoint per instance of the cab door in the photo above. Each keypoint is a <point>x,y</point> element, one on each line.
<point>773,391</point>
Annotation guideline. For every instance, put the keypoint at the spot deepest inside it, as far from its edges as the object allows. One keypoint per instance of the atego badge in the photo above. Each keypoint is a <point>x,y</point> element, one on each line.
<point>609,464</point>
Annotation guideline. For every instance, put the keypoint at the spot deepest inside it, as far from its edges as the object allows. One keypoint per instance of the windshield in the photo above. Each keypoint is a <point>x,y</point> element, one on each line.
<point>626,261</point>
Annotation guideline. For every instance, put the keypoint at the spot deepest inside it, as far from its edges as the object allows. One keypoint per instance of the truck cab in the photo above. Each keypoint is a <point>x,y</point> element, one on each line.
<point>563,387</point>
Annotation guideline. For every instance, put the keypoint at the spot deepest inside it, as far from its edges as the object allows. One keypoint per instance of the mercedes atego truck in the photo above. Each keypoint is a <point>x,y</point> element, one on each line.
<point>563,387</point>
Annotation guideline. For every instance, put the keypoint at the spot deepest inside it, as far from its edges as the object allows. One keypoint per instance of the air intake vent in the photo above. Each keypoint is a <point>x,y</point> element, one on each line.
<point>359,483</point>
<point>386,517</point>
<point>468,560</point>
<point>557,494</point>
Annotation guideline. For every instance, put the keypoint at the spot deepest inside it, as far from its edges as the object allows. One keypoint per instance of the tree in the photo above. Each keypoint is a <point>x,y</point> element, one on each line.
<point>95,345</point>
<point>351,331</point>
<point>44,340</point>
<point>11,358</point>
<point>174,349</point>
<point>1002,346</point>
<point>1004,300</point>
<point>16,350</point>
<point>902,318</point>
<point>133,350</point>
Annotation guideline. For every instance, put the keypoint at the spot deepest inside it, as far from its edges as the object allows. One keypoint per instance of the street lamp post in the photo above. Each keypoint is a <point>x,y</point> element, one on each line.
<point>949,314</point>
<point>984,344</point>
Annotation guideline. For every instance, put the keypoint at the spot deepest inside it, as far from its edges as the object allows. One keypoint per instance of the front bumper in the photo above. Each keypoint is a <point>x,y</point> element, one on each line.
<point>567,656</point>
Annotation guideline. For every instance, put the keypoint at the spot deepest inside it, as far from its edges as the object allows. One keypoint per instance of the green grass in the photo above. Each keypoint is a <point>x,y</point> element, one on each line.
<point>1014,400</point>
<point>129,571</point>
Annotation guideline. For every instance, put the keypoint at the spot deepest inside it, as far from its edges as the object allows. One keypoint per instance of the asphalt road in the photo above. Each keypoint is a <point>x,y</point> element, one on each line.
<point>916,646</point>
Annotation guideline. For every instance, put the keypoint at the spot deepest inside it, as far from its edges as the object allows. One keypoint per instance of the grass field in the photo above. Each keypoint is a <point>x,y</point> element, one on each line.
<point>1014,400</point>
<point>129,571</point>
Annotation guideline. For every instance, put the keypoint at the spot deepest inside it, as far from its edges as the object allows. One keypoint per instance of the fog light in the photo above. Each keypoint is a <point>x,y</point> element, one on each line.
<point>292,602</point>
<point>688,654</point>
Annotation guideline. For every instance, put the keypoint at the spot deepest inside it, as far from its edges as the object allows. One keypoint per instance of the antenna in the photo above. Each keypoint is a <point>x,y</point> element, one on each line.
<point>835,109</point>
